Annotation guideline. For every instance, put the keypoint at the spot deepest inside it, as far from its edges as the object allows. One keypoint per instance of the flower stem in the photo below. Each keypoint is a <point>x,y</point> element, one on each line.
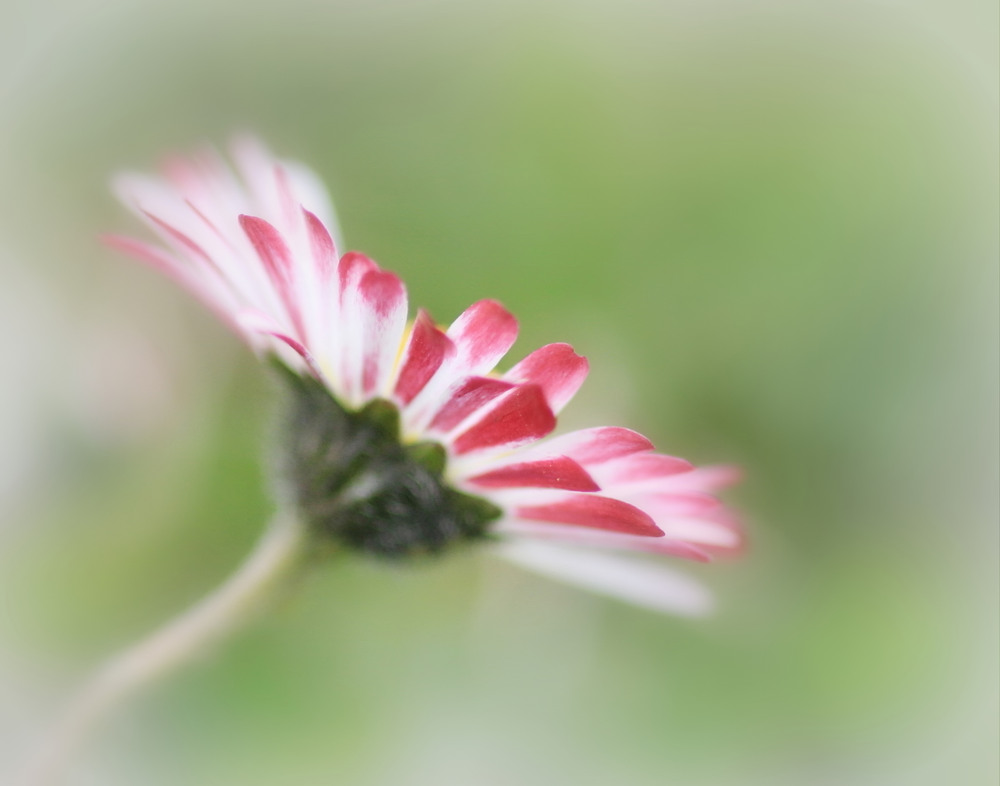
<point>279,557</point>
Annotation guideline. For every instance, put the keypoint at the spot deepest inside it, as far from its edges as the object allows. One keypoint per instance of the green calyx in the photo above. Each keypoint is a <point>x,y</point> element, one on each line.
<point>353,481</point>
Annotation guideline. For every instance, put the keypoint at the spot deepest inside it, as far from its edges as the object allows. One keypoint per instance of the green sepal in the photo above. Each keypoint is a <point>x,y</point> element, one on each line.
<point>353,481</point>
<point>430,454</point>
<point>382,414</point>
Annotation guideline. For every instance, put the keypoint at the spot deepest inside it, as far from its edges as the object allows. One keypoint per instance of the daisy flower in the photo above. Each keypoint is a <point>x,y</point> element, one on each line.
<point>403,437</point>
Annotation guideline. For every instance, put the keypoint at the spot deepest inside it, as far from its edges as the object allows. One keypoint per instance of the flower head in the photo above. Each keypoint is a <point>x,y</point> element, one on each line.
<point>403,435</point>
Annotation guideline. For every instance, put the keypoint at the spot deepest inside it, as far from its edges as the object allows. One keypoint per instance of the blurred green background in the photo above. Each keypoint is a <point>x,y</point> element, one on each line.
<point>771,226</point>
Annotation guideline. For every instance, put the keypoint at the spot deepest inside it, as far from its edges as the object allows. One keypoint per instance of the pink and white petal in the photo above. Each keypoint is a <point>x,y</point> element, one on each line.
<point>313,196</point>
<point>180,226</point>
<point>688,503</point>
<point>180,238</point>
<point>560,472</point>
<point>256,166</point>
<point>275,195</point>
<point>652,478</point>
<point>158,260</point>
<point>427,348</point>
<point>465,400</point>
<point>211,239</point>
<point>188,176</point>
<point>351,268</point>
<point>719,531</point>
<point>206,183</point>
<point>322,246</point>
<point>278,188</point>
<point>271,188</point>
<point>482,334</point>
<point>695,518</point>
<point>643,468</point>
<point>260,324</point>
<point>710,478</point>
<point>207,286</point>
<point>221,245</point>
<point>521,415</point>
<point>143,195</point>
<point>382,311</point>
<point>593,446</point>
<point>290,217</point>
<point>702,532</point>
<point>346,332</point>
<point>632,580</point>
<point>270,246</point>
<point>556,368</point>
<point>316,285</point>
<point>277,261</point>
<point>593,511</point>
<point>728,520</point>
<point>596,538</point>
<point>719,534</point>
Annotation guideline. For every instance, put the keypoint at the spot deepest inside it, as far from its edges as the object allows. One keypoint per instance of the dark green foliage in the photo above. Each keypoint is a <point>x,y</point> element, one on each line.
<point>353,481</point>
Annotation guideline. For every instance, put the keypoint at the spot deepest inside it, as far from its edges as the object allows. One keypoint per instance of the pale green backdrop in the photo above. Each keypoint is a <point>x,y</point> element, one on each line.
<point>772,227</point>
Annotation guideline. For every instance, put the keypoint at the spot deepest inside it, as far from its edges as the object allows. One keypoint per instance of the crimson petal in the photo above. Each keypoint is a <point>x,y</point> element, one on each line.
<point>277,259</point>
<point>180,237</point>
<point>271,249</point>
<point>352,269</point>
<point>560,472</point>
<point>483,333</point>
<point>556,368</point>
<point>648,466</point>
<point>382,320</point>
<point>598,445</point>
<point>425,352</point>
<point>471,395</point>
<point>323,248</point>
<point>522,414</point>
<point>595,511</point>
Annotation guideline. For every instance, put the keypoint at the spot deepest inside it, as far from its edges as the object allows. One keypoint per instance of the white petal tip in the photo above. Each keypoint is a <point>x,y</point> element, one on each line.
<point>633,580</point>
